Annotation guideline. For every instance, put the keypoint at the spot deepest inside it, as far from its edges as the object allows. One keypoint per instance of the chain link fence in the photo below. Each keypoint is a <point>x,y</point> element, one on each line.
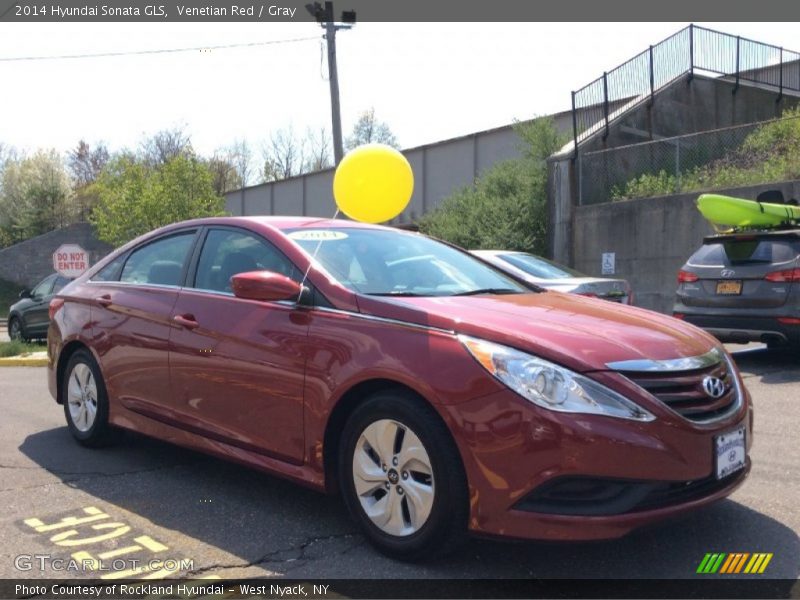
<point>718,158</point>
<point>692,49</point>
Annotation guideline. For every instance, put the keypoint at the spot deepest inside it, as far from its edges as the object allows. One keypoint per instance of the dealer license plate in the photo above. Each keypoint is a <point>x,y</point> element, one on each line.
<point>730,450</point>
<point>729,288</point>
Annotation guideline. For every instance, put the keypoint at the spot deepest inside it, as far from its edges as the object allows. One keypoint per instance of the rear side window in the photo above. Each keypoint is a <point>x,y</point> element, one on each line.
<point>60,283</point>
<point>745,251</point>
<point>227,252</point>
<point>160,262</point>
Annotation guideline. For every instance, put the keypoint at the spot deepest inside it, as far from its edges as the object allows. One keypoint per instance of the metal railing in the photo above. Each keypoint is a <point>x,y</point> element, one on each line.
<point>696,161</point>
<point>692,48</point>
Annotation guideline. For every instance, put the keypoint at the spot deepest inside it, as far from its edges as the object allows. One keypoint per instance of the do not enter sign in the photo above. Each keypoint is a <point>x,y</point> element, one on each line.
<point>70,260</point>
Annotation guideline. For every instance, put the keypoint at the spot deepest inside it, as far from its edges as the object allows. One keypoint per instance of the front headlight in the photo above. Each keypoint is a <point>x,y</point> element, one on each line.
<point>549,385</point>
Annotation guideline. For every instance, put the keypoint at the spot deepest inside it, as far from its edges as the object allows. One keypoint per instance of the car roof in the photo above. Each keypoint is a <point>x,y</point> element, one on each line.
<point>755,233</point>
<point>287,222</point>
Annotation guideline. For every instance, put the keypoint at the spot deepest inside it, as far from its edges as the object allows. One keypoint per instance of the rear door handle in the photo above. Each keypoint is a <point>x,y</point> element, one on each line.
<point>187,321</point>
<point>104,300</point>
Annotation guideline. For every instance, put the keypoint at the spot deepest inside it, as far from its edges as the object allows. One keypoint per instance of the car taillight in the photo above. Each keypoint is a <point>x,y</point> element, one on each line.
<point>783,276</point>
<point>686,277</point>
<point>680,316</point>
<point>789,320</point>
<point>55,306</point>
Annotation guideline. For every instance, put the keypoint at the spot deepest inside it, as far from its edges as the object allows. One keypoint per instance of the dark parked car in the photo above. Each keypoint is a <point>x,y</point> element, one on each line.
<point>553,276</point>
<point>28,318</point>
<point>437,394</point>
<point>744,287</point>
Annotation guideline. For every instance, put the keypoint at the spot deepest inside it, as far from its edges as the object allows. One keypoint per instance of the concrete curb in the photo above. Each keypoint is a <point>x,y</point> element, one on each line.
<point>35,359</point>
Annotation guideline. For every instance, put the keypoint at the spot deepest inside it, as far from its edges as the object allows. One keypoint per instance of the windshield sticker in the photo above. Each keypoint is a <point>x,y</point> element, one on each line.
<point>317,235</point>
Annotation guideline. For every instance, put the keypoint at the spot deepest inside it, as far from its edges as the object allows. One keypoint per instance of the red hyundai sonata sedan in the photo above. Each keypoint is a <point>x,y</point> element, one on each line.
<point>437,394</point>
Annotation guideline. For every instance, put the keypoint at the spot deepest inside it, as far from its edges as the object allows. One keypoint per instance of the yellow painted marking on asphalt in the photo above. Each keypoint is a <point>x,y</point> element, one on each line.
<point>149,569</point>
<point>61,539</point>
<point>87,559</point>
<point>150,543</point>
<point>145,572</point>
<point>95,514</point>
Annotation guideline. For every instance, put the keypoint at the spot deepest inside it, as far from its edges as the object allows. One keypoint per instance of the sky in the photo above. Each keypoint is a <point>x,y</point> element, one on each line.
<point>428,81</point>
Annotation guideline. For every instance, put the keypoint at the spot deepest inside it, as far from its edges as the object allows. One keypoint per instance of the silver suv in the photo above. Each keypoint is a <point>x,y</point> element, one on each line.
<point>744,287</point>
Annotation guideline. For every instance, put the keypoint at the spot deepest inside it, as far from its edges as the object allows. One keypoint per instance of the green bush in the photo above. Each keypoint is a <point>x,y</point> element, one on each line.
<point>507,206</point>
<point>15,348</point>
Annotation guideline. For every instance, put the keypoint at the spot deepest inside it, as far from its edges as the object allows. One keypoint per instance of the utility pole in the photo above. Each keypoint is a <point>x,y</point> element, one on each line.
<point>324,17</point>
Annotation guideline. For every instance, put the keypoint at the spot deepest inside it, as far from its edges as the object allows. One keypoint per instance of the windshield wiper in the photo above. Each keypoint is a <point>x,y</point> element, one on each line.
<point>498,291</point>
<point>396,293</point>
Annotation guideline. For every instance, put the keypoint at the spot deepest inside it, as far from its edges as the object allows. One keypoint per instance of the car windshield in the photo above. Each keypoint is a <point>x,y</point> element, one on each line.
<point>539,267</point>
<point>396,263</point>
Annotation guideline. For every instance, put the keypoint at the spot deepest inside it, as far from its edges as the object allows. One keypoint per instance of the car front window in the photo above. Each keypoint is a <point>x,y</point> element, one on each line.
<point>44,287</point>
<point>387,262</point>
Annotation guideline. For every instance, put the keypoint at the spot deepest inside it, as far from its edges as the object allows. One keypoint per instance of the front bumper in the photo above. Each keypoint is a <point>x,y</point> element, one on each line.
<point>514,452</point>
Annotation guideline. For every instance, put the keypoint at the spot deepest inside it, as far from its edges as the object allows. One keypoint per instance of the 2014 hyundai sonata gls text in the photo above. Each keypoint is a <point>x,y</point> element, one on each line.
<point>437,394</point>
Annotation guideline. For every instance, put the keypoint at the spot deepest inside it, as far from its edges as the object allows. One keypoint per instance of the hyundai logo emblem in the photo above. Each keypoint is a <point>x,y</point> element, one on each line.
<point>728,273</point>
<point>714,386</point>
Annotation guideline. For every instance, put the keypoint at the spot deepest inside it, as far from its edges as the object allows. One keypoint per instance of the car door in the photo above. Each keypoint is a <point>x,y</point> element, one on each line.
<point>132,300</point>
<point>237,366</point>
<point>35,316</point>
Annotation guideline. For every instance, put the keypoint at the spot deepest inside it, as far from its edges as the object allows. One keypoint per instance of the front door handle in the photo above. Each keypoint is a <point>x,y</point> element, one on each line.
<point>104,300</point>
<point>187,321</point>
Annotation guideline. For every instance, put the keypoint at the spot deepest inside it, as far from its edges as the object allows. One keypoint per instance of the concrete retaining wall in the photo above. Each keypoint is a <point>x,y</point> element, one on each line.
<point>29,261</point>
<point>651,238</point>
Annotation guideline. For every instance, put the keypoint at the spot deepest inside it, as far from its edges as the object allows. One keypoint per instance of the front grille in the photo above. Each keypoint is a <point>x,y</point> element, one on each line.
<point>683,391</point>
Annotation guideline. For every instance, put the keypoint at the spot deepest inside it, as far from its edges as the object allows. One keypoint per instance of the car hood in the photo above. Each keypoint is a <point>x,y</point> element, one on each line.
<point>581,333</point>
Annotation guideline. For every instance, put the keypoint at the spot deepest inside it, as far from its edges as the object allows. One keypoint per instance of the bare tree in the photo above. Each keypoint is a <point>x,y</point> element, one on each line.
<point>368,129</point>
<point>166,144</point>
<point>283,154</point>
<point>242,158</point>
<point>85,163</point>
<point>224,172</point>
<point>319,145</point>
<point>231,166</point>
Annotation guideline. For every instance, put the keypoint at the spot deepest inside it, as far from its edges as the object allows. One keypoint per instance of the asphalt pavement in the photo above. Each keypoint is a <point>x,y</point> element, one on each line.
<point>146,498</point>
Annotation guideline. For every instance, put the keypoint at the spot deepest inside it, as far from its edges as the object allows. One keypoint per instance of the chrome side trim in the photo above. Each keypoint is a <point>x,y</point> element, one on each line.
<point>380,319</point>
<point>688,363</point>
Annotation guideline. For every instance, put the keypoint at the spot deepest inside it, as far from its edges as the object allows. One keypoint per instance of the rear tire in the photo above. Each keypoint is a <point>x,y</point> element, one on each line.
<point>408,495</point>
<point>86,401</point>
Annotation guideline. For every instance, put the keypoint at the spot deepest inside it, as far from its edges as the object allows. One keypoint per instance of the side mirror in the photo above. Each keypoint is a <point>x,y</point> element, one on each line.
<point>26,293</point>
<point>264,285</point>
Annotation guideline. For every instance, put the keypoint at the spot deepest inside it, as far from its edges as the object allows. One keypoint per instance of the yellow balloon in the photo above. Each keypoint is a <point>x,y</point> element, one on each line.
<point>373,183</point>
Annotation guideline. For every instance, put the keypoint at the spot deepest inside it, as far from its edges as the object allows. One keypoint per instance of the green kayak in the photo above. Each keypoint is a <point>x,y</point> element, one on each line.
<point>737,212</point>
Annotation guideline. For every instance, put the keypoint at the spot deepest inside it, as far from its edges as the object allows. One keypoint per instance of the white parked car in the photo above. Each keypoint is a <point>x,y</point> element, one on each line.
<point>551,275</point>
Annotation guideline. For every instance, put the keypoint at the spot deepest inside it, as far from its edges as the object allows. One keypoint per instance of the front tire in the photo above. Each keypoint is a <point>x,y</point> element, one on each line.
<point>86,401</point>
<point>15,331</point>
<point>402,478</point>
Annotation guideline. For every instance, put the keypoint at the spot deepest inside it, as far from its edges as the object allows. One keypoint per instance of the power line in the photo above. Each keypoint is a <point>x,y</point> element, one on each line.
<point>161,51</point>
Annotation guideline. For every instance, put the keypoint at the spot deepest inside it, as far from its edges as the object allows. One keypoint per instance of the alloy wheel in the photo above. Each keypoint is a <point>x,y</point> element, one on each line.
<point>82,397</point>
<point>393,477</point>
